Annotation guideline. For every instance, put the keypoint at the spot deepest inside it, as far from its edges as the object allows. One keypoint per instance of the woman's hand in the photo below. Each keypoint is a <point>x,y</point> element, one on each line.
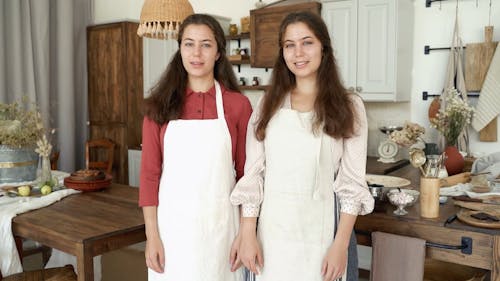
<point>334,263</point>
<point>250,251</point>
<point>155,255</point>
<point>234,257</point>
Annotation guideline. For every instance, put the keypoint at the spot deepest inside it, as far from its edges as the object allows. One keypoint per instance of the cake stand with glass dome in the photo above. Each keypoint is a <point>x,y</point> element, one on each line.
<point>387,149</point>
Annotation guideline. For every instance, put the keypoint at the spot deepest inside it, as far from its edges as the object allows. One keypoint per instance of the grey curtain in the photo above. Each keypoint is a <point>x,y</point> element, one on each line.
<point>43,56</point>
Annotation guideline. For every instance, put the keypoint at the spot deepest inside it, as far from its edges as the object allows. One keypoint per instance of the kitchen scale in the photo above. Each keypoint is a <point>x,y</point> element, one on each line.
<point>387,149</point>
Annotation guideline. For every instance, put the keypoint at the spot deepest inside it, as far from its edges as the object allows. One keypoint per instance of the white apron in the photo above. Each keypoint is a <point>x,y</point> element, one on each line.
<point>297,220</point>
<point>196,221</point>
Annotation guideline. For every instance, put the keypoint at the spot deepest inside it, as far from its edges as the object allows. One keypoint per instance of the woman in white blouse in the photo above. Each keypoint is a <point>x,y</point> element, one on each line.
<point>305,167</point>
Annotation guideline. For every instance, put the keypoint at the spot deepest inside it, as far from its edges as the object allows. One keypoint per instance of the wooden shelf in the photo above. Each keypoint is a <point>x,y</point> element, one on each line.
<point>238,36</point>
<point>257,88</point>
<point>239,62</point>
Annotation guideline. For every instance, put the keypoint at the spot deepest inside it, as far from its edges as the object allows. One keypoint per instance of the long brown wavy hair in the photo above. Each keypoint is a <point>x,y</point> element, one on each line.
<point>167,98</point>
<point>333,106</point>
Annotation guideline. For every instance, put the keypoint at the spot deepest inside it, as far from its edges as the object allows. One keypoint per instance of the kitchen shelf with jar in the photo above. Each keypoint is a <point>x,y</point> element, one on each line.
<point>259,87</point>
<point>238,59</point>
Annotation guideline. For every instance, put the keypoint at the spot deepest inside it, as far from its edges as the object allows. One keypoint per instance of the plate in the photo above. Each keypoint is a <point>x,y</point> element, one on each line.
<point>387,181</point>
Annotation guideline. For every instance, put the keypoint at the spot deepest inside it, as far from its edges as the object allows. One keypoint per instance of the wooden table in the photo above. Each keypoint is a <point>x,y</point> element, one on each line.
<point>485,250</point>
<point>86,225</point>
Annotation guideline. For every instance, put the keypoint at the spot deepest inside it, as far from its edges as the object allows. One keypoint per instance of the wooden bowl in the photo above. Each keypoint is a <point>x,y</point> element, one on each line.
<point>91,185</point>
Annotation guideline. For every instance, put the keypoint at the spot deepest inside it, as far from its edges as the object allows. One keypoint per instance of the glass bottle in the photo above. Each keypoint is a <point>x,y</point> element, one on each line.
<point>46,174</point>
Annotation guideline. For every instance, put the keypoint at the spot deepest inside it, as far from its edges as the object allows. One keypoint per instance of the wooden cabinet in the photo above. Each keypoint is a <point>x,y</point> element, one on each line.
<point>372,41</point>
<point>115,89</point>
<point>264,29</point>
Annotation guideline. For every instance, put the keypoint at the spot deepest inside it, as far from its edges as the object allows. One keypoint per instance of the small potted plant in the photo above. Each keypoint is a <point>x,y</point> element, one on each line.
<point>21,126</point>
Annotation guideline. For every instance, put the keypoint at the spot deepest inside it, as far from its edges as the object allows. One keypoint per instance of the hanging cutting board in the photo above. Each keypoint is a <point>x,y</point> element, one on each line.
<point>477,61</point>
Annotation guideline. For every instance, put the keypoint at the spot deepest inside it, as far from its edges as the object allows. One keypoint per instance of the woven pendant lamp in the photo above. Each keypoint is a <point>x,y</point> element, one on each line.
<point>161,19</point>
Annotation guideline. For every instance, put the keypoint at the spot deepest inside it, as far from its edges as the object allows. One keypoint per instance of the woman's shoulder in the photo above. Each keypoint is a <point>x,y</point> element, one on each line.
<point>356,101</point>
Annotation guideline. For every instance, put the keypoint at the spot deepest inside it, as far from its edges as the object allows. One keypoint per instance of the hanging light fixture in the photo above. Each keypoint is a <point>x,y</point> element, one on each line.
<point>161,19</point>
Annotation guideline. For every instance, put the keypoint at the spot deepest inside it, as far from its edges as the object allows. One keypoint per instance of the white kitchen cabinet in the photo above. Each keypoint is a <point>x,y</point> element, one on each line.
<point>372,42</point>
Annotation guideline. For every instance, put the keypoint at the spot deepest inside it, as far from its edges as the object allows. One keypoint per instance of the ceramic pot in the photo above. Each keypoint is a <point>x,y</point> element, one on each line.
<point>233,29</point>
<point>454,162</point>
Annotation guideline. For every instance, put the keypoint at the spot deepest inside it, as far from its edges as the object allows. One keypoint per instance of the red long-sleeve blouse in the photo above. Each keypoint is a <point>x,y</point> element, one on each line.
<point>198,105</point>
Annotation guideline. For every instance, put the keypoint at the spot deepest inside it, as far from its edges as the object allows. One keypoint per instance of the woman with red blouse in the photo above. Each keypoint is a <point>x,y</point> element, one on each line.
<point>193,143</point>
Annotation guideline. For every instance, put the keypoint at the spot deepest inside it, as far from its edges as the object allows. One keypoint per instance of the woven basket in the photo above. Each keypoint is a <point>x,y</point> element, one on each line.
<point>161,18</point>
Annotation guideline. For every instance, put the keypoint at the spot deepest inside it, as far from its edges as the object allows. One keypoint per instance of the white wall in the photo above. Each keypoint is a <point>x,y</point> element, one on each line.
<point>109,10</point>
<point>433,26</point>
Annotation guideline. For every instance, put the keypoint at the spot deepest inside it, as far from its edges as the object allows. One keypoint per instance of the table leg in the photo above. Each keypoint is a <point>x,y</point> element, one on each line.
<point>85,264</point>
<point>495,259</point>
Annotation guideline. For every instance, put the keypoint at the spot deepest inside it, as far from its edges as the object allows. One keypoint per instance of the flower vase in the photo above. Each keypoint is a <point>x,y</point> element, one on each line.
<point>46,174</point>
<point>454,162</point>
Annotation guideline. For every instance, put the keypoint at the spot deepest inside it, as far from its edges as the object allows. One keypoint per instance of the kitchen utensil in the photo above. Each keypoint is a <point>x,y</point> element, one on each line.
<point>417,159</point>
<point>387,149</point>
<point>455,179</point>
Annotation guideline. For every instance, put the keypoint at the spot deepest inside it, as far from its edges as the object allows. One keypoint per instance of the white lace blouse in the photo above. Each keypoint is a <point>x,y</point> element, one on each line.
<point>349,156</point>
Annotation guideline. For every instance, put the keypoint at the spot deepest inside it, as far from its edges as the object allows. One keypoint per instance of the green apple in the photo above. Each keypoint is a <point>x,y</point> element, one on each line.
<point>24,190</point>
<point>46,189</point>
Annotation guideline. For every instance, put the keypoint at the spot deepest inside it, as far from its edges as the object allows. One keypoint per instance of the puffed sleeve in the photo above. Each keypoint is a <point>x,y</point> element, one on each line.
<point>350,183</point>
<point>151,163</point>
<point>248,191</point>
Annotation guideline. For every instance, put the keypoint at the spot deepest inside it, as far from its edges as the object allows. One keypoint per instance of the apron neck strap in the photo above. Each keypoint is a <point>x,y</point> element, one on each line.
<point>218,101</point>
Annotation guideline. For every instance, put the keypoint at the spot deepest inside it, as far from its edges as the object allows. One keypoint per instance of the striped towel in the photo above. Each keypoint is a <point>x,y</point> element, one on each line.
<point>488,105</point>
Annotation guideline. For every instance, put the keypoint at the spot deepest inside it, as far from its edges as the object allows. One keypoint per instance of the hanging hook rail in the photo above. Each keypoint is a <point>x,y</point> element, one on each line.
<point>465,246</point>
<point>426,95</point>
<point>427,49</point>
<point>428,3</point>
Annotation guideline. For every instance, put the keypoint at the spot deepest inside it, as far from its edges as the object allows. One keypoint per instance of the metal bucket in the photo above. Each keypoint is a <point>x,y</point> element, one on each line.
<point>17,164</point>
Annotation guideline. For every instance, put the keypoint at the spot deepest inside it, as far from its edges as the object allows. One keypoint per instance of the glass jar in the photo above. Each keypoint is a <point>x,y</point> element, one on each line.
<point>255,81</point>
<point>242,81</point>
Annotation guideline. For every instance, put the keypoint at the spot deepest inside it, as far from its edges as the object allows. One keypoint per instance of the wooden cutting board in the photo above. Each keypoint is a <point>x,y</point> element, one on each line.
<point>465,216</point>
<point>477,61</point>
<point>491,209</point>
<point>473,208</point>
